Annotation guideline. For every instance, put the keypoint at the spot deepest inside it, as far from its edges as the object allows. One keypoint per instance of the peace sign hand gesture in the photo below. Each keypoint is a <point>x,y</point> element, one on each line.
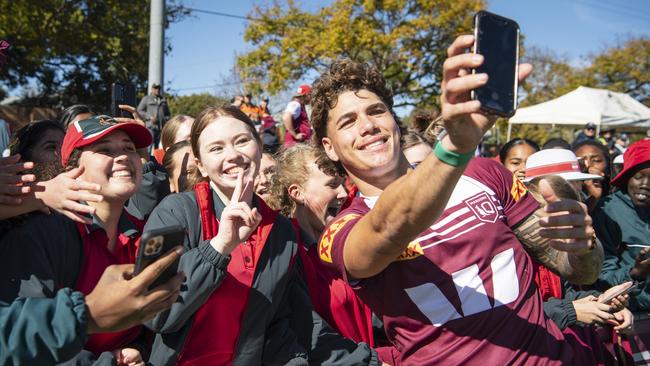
<point>238,220</point>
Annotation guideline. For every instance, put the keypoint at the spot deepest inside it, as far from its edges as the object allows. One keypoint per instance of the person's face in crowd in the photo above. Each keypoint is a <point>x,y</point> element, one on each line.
<point>322,195</point>
<point>183,163</point>
<point>155,91</point>
<point>592,157</point>
<point>263,179</point>
<point>638,187</point>
<point>590,132</point>
<point>594,161</point>
<point>516,159</point>
<point>48,148</point>
<point>607,135</point>
<point>247,99</point>
<point>114,164</point>
<point>263,105</point>
<point>184,130</point>
<point>363,135</point>
<point>226,147</point>
<point>416,154</point>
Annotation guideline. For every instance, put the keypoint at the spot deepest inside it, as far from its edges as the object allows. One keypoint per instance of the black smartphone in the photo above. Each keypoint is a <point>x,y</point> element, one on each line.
<point>154,244</point>
<point>497,39</point>
<point>122,93</point>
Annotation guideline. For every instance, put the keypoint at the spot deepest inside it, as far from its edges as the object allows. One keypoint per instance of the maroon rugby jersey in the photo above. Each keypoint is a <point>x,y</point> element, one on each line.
<point>463,292</point>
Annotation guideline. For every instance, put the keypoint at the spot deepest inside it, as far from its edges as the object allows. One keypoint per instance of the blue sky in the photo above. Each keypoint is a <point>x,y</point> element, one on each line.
<point>204,46</point>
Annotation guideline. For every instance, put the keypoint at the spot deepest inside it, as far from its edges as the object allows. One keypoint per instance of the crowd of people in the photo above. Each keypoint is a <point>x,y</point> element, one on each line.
<point>341,238</point>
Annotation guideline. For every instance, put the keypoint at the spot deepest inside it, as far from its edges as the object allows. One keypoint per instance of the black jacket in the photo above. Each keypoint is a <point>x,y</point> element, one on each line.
<point>278,327</point>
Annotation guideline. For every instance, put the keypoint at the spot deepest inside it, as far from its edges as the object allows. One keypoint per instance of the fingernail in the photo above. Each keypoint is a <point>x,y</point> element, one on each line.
<point>477,58</point>
<point>482,77</point>
<point>179,250</point>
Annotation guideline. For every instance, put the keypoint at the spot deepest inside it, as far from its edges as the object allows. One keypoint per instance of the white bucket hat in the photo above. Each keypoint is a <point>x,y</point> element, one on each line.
<point>561,162</point>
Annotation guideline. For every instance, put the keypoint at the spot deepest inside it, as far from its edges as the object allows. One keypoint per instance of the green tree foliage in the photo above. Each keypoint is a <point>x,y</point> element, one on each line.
<point>73,50</point>
<point>192,104</point>
<point>407,39</point>
<point>623,68</point>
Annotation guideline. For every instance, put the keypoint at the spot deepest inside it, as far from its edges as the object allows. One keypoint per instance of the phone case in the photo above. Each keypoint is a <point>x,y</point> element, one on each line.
<point>153,245</point>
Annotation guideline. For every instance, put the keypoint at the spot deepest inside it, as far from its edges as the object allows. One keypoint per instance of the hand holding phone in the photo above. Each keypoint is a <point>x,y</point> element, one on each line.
<point>465,120</point>
<point>619,290</point>
<point>497,39</point>
<point>153,245</point>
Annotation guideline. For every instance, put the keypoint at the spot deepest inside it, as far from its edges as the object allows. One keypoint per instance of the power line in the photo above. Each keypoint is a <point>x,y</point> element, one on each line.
<point>210,86</point>
<point>626,7</point>
<point>227,15</point>
<point>613,9</point>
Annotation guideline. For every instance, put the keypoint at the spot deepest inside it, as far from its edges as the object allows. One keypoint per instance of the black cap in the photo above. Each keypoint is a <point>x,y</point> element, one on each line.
<point>155,86</point>
<point>590,125</point>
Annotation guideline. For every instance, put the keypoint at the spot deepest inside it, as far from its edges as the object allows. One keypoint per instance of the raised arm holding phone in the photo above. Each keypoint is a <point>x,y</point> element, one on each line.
<point>416,243</point>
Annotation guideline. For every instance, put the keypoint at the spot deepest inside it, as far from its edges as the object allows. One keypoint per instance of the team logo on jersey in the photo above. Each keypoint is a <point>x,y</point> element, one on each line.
<point>483,207</point>
<point>413,251</point>
<point>518,188</point>
<point>325,245</point>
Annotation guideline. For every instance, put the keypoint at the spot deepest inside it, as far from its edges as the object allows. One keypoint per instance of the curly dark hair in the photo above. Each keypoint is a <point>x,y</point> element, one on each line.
<point>345,75</point>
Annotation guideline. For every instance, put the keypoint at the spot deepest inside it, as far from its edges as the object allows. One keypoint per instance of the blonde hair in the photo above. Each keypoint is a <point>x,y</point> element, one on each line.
<point>170,129</point>
<point>292,167</point>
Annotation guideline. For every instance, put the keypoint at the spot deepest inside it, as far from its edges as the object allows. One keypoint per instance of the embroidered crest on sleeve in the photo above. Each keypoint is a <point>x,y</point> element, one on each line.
<point>518,189</point>
<point>325,245</point>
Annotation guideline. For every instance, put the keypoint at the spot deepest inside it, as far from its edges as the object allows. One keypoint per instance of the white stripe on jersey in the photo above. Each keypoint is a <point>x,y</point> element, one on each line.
<point>449,229</point>
<point>452,237</point>
<point>466,187</point>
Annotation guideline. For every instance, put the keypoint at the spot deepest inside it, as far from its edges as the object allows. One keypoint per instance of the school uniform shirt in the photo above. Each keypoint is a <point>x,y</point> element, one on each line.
<point>50,252</point>
<point>463,290</point>
<point>275,325</point>
<point>337,303</point>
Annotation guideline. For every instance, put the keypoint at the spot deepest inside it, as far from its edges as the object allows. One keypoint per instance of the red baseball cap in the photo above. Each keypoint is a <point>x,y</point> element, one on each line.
<point>635,155</point>
<point>303,89</point>
<point>88,131</point>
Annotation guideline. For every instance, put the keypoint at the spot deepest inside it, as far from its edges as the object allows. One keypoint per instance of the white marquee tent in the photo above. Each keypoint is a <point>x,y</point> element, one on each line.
<point>602,107</point>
